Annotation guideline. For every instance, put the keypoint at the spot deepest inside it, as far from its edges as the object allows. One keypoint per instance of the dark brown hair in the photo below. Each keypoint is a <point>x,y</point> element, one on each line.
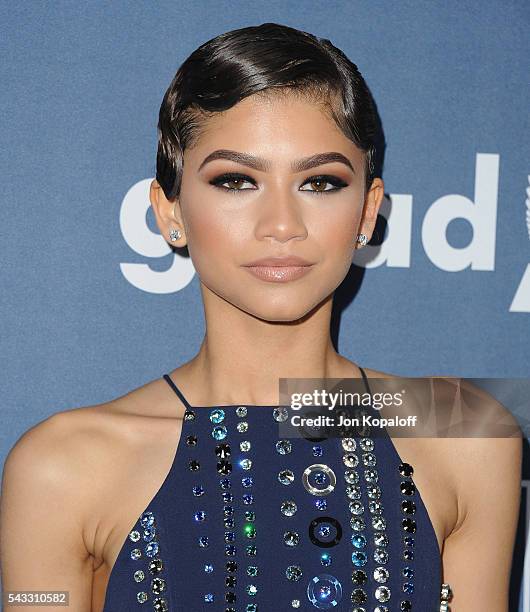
<point>269,58</point>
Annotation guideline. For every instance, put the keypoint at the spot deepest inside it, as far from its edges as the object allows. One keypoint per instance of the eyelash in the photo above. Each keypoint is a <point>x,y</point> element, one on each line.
<point>229,176</point>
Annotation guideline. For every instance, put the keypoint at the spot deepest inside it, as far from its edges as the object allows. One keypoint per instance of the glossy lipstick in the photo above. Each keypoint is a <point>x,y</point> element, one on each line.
<point>279,269</point>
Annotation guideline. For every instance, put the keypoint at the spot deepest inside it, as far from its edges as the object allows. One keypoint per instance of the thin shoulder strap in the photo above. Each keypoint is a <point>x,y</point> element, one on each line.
<point>170,382</point>
<point>365,380</point>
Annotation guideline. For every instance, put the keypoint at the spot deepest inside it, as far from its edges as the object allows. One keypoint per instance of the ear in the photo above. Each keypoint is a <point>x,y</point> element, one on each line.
<point>372,202</point>
<point>167,213</point>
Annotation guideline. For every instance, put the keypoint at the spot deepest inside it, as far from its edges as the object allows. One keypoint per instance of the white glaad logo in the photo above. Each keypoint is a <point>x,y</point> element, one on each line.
<point>521,300</point>
<point>395,252</point>
<point>480,213</point>
<point>133,224</point>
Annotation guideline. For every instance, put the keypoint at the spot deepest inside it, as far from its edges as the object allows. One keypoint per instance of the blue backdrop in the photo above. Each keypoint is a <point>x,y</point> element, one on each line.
<point>86,279</point>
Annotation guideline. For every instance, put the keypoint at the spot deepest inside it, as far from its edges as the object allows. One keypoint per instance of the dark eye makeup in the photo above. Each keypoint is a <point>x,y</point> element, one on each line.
<point>229,177</point>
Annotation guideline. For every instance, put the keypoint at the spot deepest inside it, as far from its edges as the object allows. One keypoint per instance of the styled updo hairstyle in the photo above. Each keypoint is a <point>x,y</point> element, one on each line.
<point>269,58</point>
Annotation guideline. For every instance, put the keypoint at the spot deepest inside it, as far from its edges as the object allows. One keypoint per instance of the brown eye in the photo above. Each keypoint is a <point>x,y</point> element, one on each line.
<point>234,183</point>
<point>319,184</point>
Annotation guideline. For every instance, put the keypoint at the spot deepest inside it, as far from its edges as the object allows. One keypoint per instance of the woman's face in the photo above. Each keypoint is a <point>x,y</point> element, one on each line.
<point>269,207</point>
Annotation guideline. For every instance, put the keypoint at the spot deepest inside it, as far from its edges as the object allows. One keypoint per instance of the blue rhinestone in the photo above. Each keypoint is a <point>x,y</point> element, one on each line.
<point>408,572</point>
<point>149,533</point>
<point>219,432</point>
<point>359,559</point>
<point>200,515</point>
<point>324,530</point>
<point>203,541</point>
<point>321,504</point>
<point>359,541</point>
<point>317,451</point>
<point>227,497</point>
<point>408,587</point>
<point>208,597</point>
<point>247,481</point>
<point>325,559</point>
<point>230,550</point>
<point>151,549</point>
<point>217,416</point>
<point>225,483</point>
<point>248,498</point>
<point>208,568</point>
<point>148,519</point>
<point>230,536</point>
<point>198,490</point>
<point>320,478</point>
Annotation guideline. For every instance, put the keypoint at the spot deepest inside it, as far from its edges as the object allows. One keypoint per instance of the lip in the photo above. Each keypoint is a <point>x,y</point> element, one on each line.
<point>279,274</point>
<point>278,262</point>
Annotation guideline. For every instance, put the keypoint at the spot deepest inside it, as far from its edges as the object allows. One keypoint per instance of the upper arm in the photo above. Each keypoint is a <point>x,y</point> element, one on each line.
<point>477,555</point>
<point>41,533</point>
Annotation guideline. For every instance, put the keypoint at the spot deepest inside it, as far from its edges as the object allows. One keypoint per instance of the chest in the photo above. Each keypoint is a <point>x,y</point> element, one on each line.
<point>270,492</point>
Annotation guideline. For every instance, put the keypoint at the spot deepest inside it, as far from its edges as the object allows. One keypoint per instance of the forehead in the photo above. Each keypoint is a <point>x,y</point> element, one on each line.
<point>273,125</point>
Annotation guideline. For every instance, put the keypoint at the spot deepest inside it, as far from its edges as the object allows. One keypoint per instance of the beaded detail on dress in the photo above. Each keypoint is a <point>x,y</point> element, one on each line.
<point>248,521</point>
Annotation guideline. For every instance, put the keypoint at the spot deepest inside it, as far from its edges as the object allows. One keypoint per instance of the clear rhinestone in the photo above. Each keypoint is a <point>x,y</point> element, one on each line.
<point>139,576</point>
<point>349,444</point>
<point>369,459</point>
<point>246,464</point>
<point>286,477</point>
<point>280,414</point>
<point>350,460</point>
<point>366,444</point>
<point>288,508</point>
<point>353,492</point>
<point>283,447</point>
<point>293,572</point>
<point>356,507</point>
<point>351,476</point>
<point>291,538</point>
<point>382,593</point>
<point>241,411</point>
<point>134,536</point>
<point>381,574</point>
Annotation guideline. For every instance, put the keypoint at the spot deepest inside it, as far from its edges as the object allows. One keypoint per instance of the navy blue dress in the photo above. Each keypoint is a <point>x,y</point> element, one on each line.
<point>248,521</point>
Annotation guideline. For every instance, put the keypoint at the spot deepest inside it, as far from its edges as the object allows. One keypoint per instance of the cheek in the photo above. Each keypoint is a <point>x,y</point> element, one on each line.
<point>336,232</point>
<point>214,237</point>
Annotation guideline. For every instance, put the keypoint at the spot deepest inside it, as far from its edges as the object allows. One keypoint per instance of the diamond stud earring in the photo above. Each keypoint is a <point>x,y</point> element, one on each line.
<point>362,239</point>
<point>174,235</point>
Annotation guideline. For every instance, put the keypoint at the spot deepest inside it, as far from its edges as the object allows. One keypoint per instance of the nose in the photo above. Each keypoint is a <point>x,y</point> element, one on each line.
<point>280,217</point>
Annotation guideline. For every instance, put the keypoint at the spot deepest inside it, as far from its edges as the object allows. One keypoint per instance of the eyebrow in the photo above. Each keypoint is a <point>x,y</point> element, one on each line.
<point>258,163</point>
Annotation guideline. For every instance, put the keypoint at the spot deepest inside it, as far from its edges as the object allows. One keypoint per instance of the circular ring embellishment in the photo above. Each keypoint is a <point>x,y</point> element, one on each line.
<point>316,468</point>
<point>324,591</point>
<point>314,529</point>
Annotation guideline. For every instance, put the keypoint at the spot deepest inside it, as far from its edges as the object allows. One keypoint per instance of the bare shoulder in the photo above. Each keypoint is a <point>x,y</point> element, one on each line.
<point>80,453</point>
<point>486,466</point>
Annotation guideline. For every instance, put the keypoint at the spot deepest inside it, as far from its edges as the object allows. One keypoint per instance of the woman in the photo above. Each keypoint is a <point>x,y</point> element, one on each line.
<point>266,150</point>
